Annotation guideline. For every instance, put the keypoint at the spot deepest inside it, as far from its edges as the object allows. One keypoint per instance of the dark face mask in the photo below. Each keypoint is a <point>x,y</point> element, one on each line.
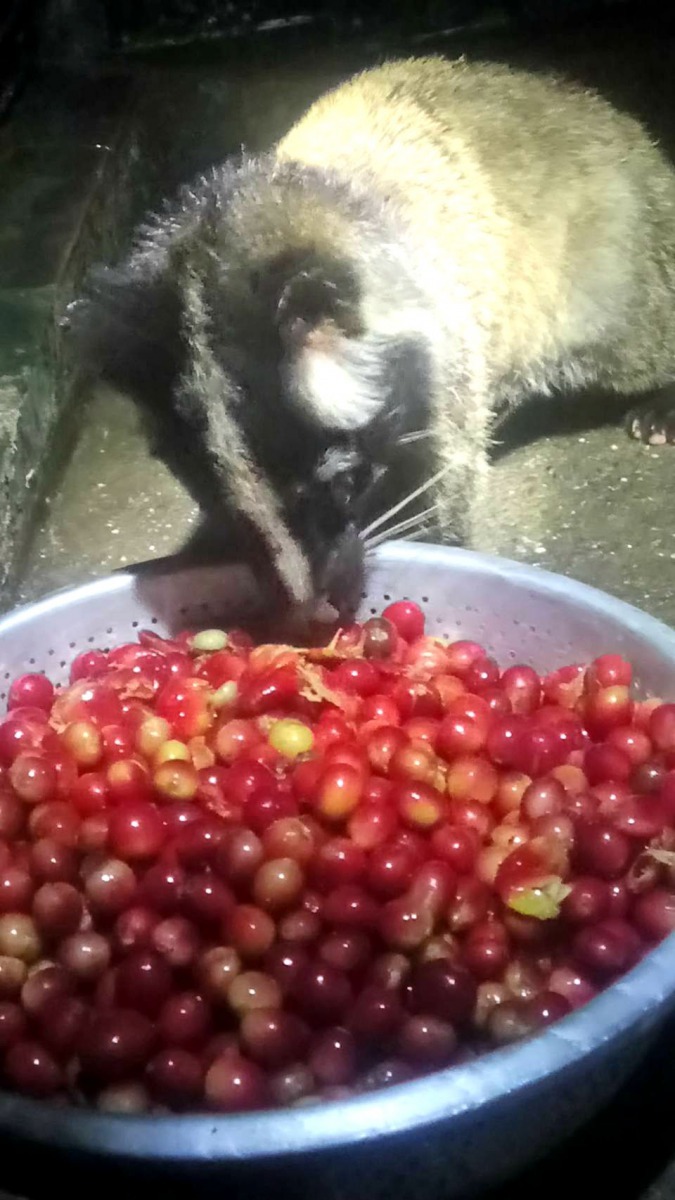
<point>325,513</point>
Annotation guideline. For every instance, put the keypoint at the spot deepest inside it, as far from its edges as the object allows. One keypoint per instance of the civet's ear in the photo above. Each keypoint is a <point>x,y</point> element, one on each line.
<point>316,311</point>
<point>340,375</point>
<point>308,289</point>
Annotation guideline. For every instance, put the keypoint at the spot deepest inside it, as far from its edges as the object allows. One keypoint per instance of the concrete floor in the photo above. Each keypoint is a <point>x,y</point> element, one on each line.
<point>133,507</point>
<point>589,503</point>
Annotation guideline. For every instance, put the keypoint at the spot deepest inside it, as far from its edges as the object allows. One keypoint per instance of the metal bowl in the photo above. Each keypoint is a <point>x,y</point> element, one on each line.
<point>464,1126</point>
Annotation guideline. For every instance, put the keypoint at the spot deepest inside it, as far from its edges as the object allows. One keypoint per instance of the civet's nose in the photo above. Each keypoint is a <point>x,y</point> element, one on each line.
<point>344,573</point>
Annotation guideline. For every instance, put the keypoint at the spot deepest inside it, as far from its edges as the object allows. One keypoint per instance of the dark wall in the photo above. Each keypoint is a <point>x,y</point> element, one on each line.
<point>18,26</point>
<point>76,34</point>
<point>156,19</point>
<point>80,23</point>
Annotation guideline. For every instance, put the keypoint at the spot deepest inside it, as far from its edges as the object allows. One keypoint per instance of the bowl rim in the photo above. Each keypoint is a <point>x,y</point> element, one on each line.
<point>413,553</point>
<point>457,1091</point>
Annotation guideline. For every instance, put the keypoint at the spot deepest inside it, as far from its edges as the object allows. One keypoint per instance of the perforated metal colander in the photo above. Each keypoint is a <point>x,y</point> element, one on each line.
<point>457,1128</point>
<point>519,613</point>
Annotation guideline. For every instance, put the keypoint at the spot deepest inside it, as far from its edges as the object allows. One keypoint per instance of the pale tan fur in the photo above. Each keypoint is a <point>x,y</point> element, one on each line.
<point>541,222</point>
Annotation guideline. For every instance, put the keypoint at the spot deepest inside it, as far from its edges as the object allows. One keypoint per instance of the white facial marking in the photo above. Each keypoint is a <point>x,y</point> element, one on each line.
<point>338,397</point>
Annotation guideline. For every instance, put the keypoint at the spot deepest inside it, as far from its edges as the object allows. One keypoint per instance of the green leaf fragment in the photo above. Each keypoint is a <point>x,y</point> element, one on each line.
<point>542,902</point>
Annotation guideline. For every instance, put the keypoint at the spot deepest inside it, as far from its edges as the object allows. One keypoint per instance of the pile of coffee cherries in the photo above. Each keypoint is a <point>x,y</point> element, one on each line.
<point>235,877</point>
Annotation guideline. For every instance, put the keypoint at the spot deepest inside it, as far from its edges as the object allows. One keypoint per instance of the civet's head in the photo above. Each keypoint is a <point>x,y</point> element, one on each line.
<point>265,322</point>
